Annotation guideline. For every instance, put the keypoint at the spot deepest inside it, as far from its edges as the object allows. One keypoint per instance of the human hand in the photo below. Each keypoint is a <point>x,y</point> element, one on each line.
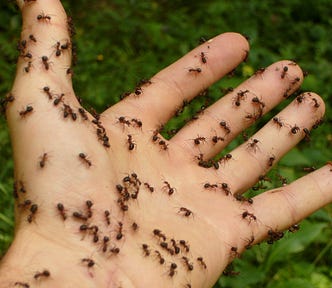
<point>61,133</point>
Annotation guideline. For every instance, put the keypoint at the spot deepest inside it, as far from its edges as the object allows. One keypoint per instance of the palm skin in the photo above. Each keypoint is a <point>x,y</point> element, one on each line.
<point>105,201</point>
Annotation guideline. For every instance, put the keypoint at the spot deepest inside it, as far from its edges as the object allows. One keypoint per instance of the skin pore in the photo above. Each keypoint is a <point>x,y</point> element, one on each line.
<point>103,200</point>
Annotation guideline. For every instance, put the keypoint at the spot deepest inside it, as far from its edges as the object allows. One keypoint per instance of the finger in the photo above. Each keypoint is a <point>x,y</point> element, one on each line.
<point>157,100</point>
<point>281,208</point>
<point>44,48</point>
<point>224,120</point>
<point>256,156</point>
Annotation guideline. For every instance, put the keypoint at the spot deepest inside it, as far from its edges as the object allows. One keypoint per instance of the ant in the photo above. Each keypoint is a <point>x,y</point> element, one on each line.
<point>119,235</point>
<point>115,250</point>
<point>43,160</point>
<point>33,210</point>
<point>225,188</point>
<point>203,57</point>
<point>28,67</point>
<point>134,226</point>
<point>43,17</point>
<point>106,239</point>
<point>25,204</point>
<point>316,104</point>
<point>176,248</point>
<point>250,241</point>
<point>189,265</point>
<point>274,236</point>
<point>226,158</point>
<point>57,48</point>
<point>160,257</point>
<point>185,211</point>
<point>195,70</point>
<point>234,252</point>
<point>172,269</point>
<point>253,145</point>
<point>271,160</point>
<point>260,71</point>
<point>138,123</point>
<point>295,129</point>
<point>131,144</point>
<point>210,186</point>
<point>83,113</point>
<point>159,234</point>
<point>22,284</point>
<point>185,245</point>
<point>283,180</point>
<point>170,189</point>
<point>241,198</point>
<point>47,90</point>
<point>61,210</point>
<point>148,186</point>
<point>146,250</point>
<point>58,100</point>
<point>294,228</point>
<point>90,262</point>
<point>284,71</point>
<point>277,121</point>
<point>256,100</point>
<point>248,215</point>
<point>79,216</point>
<point>224,125</point>
<point>89,204</point>
<point>306,134</point>
<point>45,273</point>
<point>32,38</point>
<point>45,62</point>
<point>107,217</point>
<point>300,98</point>
<point>28,110</point>
<point>84,158</point>
<point>216,138</point>
<point>240,96</point>
<point>199,139</point>
<point>201,262</point>
<point>123,121</point>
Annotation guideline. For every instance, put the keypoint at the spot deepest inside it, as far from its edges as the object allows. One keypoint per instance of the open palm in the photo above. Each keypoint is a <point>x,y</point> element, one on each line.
<point>105,201</point>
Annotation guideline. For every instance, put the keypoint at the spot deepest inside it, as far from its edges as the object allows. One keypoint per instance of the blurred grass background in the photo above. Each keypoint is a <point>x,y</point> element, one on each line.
<point>120,42</point>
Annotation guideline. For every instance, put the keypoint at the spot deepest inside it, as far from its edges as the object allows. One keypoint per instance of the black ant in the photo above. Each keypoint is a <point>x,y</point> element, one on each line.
<point>159,234</point>
<point>260,71</point>
<point>277,121</point>
<point>58,100</point>
<point>43,17</point>
<point>284,71</point>
<point>201,262</point>
<point>45,62</point>
<point>148,186</point>
<point>106,239</point>
<point>250,242</point>
<point>253,145</point>
<point>119,235</point>
<point>28,110</point>
<point>61,210</point>
<point>84,158</point>
<point>306,134</point>
<point>185,245</point>
<point>295,129</point>
<point>241,198</point>
<point>44,273</point>
<point>256,100</point>
<point>176,247</point>
<point>210,186</point>
<point>28,67</point>
<point>270,161</point>
<point>47,91</point>
<point>131,144</point>
<point>160,257</point>
<point>225,188</point>
<point>283,180</point>
<point>146,250</point>
<point>33,210</point>
<point>123,121</point>
<point>185,211</point>
<point>172,269</point>
<point>138,123</point>
<point>316,104</point>
<point>196,70</point>
<point>57,49</point>
<point>32,38</point>
<point>79,216</point>
<point>107,217</point>
<point>89,204</point>
<point>216,139</point>
<point>83,113</point>
<point>43,160</point>
<point>170,189</point>
<point>90,262</point>
<point>25,204</point>
<point>163,145</point>
<point>189,265</point>
<point>115,250</point>
<point>300,98</point>
<point>273,236</point>
<point>294,228</point>
<point>199,139</point>
<point>248,215</point>
<point>134,226</point>
<point>226,158</point>
<point>225,126</point>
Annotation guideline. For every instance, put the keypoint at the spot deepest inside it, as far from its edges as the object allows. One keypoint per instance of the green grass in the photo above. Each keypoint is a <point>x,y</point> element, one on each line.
<point>135,39</point>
